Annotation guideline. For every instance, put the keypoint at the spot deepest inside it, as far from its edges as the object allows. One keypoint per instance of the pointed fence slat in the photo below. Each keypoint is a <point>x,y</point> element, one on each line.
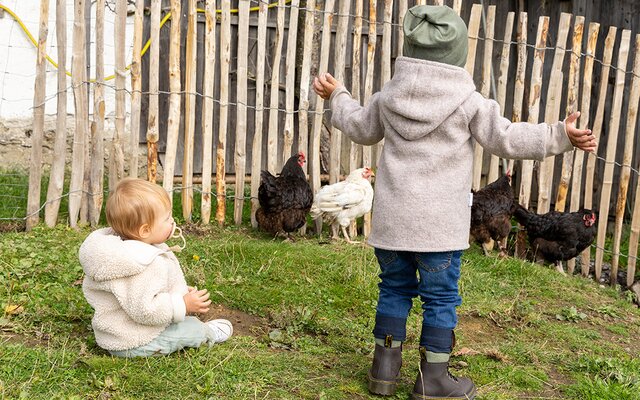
<point>501,89</point>
<point>597,125</point>
<point>175,87</point>
<point>240,159</point>
<point>402,10</point>
<point>35,163</point>
<point>290,79</point>
<point>152,122</point>
<point>634,237</point>
<point>614,127</point>
<point>518,89</point>
<point>584,123</point>
<point>221,146</point>
<point>56,180</point>
<point>339,66</point>
<point>190,111</point>
<point>303,105</point>
<point>552,111</point>
<point>272,138</point>
<point>474,28</point>
<point>385,56</point>
<point>78,77</point>
<point>120,137</point>
<point>97,127</point>
<point>367,159</point>
<point>572,106</point>
<point>457,5</point>
<point>485,89</point>
<point>318,116</point>
<point>136,88</point>
<point>207,108</point>
<point>533,104</point>
<point>625,172</point>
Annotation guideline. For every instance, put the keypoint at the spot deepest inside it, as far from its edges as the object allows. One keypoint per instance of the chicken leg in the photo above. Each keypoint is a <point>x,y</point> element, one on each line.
<point>559,268</point>
<point>346,236</point>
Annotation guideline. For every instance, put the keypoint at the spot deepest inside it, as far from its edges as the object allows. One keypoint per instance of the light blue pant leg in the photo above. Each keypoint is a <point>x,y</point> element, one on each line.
<point>189,333</point>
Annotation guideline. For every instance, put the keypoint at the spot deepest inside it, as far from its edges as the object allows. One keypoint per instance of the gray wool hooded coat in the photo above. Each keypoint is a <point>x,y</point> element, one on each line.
<point>428,114</point>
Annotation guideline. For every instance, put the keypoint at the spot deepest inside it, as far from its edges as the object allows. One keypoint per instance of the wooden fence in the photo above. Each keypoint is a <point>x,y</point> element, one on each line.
<point>241,85</point>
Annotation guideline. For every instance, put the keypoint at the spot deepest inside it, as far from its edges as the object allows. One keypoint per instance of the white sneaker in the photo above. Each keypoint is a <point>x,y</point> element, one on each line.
<point>221,328</point>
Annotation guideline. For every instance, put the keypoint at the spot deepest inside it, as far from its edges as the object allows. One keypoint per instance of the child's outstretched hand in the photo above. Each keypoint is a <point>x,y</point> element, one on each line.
<point>197,301</point>
<point>325,84</point>
<point>580,138</point>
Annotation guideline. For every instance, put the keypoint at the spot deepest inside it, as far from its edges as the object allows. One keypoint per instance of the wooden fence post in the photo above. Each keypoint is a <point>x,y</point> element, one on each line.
<point>572,106</point>
<point>175,87</point>
<point>152,124</point>
<point>35,163</point>
<point>501,89</point>
<point>207,109</point>
<point>120,66</point>
<point>136,88</point>
<point>584,124</point>
<point>274,104</point>
<point>225,58</point>
<point>518,91</point>
<point>240,159</point>
<point>597,126</point>
<point>78,75</point>
<point>189,110</point>
<point>367,160</point>
<point>552,112</point>
<point>56,179</point>
<point>474,28</point>
<point>614,126</point>
<point>339,65</point>
<point>96,180</point>
<point>485,89</point>
<point>303,104</point>
<point>290,79</point>
<point>625,172</point>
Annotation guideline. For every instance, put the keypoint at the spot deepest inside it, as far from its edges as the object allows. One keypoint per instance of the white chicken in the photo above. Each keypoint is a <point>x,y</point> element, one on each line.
<point>343,202</point>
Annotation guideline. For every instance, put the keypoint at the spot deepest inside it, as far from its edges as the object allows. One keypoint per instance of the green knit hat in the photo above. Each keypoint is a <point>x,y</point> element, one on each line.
<point>435,33</point>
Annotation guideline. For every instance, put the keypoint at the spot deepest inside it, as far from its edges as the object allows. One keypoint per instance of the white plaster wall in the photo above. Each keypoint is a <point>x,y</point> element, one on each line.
<point>18,58</point>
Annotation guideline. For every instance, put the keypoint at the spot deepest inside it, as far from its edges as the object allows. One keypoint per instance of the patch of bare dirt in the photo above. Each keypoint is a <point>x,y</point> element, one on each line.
<point>243,324</point>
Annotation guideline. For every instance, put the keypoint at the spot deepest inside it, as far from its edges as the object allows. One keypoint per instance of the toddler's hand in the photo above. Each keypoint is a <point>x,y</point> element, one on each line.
<point>325,84</point>
<point>197,301</point>
<point>580,138</point>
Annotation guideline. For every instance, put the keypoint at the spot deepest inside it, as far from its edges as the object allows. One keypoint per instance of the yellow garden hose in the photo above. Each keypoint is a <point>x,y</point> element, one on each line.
<point>144,49</point>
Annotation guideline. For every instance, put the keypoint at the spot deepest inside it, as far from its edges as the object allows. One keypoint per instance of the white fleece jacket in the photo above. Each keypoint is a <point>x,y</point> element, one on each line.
<point>429,114</point>
<point>136,289</point>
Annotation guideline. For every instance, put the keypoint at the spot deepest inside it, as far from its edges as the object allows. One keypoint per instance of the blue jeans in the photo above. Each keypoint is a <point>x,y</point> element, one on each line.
<point>432,276</point>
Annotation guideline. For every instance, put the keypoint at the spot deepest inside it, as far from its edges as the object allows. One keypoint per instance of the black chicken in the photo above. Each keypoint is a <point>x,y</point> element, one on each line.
<point>285,200</point>
<point>491,212</point>
<point>558,236</point>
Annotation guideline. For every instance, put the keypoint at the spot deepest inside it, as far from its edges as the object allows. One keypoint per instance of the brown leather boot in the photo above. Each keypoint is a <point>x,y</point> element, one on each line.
<point>436,382</point>
<point>385,371</point>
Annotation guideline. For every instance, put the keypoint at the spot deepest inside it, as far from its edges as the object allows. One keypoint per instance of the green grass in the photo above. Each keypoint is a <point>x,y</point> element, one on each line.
<point>316,303</point>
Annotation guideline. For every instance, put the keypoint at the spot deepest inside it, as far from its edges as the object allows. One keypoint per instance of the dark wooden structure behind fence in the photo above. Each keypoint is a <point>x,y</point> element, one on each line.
<point>225,89</point>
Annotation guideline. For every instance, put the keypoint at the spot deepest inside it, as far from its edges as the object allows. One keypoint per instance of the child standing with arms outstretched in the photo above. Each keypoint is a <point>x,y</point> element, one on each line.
<point>429,114</point>
<point>135,284</point>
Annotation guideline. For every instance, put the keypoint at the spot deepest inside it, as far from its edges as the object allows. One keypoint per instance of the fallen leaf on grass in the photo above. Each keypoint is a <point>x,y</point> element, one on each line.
<point>13,309</point>
<point>465,351</point>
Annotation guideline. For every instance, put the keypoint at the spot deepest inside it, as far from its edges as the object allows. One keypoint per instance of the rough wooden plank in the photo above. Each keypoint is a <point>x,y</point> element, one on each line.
<point>339,66</point>
<point>634,238</point>
<point>501,89</point>
<point>518,90</point>
<point>189,111</point>
<point>533,104</point>
<point>119,135</point>
<point>485,90</point>
<point>240,159</point>
<point>290,78</point>
<point>457,5</point>
<point>154,81</point>
<point>572,106</point>
<point>614,126</point>
<point>305,83</point>
<point>136,88</point>
<point>368,91</point>
<point>225,57</point>
<point>597,124</point>
<point>402,10</point>
<point>385,55</point>
<point>272,137</point>
<point>78,77</point>
<point>474,28</point>
<point>175,87</point>
<point>625,172</point>
<point>325,46</point>
<point>56,179</point>
<point>207,109</point>
<point>35,163</point>
<point>552,111</point>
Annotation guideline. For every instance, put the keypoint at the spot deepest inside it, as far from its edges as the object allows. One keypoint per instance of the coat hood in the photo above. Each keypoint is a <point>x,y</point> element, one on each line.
<point>423,94</point>
<point>105,256</point>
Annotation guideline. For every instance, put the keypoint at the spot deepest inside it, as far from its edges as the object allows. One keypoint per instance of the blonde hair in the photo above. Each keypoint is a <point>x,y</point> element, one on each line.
<point>133,203</point>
